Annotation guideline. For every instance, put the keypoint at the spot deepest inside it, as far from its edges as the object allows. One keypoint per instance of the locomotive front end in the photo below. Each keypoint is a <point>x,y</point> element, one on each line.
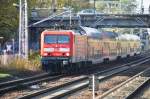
<point>56,49</point>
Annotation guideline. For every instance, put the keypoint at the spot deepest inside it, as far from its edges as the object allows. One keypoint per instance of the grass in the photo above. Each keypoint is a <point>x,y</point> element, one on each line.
<point>32,64</point>
<point>2,75</point>
<point>22,65</point>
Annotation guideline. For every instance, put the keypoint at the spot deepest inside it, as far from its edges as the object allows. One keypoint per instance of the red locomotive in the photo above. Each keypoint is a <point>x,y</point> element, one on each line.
<point>68,49</point>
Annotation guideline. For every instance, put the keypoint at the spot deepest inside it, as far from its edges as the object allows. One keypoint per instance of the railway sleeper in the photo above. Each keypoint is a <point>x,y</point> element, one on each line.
<point>106,60</point>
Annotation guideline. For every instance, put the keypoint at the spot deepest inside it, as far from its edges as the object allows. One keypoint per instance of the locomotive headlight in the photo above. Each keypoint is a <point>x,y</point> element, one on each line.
<point>45,54</point>
<point>64,49</point>
<point>67,54</point>
<point>48,49</point>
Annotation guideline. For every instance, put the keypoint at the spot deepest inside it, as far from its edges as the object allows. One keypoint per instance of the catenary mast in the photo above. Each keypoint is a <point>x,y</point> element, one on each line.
<point>23,29</point>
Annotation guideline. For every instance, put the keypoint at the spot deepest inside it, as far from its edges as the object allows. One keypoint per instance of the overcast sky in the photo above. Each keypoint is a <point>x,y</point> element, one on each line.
<point>146,3</point>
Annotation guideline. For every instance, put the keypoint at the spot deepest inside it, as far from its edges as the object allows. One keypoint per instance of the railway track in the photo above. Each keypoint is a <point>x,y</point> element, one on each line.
<point>128,88</point>
<point>73,86</point>
<point>109,83</point>
<point>143,92</point>
<point>23,83</point>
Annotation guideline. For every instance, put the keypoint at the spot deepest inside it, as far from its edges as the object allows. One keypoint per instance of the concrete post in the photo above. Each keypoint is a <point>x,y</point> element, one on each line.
<point>5,58</point>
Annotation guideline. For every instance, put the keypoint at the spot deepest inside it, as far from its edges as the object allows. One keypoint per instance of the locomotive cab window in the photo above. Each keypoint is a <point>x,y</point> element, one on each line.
<point>63,39</point>
<point>53,39</point>
<point>50,39</point>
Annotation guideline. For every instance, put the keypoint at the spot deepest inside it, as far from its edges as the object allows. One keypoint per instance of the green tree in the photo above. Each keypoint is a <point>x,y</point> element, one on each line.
<point>117,6</point>
<point>129,6</point>
<point>8,19</point>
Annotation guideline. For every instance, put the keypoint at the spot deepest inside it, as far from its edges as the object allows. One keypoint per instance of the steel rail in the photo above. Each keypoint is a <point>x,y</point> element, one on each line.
<point>127,88</point>
<point>135,92</point>
<point>23,83</point>
<point>67,88</point>
<point>3,84</point>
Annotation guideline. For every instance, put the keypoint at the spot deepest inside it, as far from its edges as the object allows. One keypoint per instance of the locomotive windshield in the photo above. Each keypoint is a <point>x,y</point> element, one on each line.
<point>63,39</point>
<point>53,39</point>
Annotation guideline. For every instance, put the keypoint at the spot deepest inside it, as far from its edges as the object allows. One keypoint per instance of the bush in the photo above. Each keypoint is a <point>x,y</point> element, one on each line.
<point>24,65</point>
<point>32,64</point>
<point>34,55</point>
